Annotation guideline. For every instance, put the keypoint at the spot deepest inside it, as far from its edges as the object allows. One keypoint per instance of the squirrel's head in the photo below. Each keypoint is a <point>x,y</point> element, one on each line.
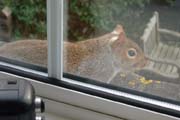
<point>126,53</point>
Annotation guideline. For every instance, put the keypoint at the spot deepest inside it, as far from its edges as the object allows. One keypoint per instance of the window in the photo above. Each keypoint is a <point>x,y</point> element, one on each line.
<point>107,45</point>
<point>114,53</point>
<point>128,45</point>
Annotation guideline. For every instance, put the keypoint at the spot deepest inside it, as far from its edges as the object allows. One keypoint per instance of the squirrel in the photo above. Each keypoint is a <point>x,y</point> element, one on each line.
<point>100,58</point>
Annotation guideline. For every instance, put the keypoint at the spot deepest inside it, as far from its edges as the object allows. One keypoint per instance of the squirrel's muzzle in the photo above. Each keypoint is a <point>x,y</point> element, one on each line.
<point>141,63</point>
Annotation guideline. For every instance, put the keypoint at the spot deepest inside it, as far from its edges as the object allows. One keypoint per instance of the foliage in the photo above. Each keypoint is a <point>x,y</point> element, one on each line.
<point>29,18</point>
<point>165,2</point>
<point>101,13</point>
<point>86,17</point>
<point>171,2</point>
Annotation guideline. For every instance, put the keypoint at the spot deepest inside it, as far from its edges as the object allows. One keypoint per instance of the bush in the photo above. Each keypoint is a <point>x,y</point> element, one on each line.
<point>95,14</point>
<point>164,2</point>
<point>86,17</point>
<point>29,20</point>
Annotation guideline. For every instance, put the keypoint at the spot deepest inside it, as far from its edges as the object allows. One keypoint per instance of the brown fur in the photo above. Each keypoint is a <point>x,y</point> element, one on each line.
<point>30,51</point>
<point>96,58</point>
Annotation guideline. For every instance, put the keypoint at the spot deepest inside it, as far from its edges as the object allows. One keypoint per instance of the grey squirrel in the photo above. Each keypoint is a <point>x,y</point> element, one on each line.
<point>100,58</point>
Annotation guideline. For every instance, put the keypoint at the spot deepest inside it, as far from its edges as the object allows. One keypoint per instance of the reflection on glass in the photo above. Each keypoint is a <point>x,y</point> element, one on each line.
<point>132,44</point>
<point>23,31</point>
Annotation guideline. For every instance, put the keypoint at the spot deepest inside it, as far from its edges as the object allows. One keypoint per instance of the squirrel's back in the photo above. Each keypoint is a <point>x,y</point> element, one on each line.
<point>29,51</point>
<point>96,58</point>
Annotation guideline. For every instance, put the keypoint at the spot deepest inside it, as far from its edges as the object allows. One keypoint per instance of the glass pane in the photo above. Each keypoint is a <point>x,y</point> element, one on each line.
<point>133,44</point>
<point>23,31</point>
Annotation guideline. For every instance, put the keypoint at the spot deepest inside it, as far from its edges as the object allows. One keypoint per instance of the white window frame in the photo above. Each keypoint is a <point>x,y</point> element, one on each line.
<point>55,35</point>
<point>55,70</point>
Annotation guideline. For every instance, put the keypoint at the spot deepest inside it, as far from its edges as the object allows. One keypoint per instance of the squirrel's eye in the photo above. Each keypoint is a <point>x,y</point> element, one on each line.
<point>131,53</point>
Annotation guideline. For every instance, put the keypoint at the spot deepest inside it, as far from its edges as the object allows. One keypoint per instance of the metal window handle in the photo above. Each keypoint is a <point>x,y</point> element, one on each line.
<point>39,118</point>
<point>39,105</point>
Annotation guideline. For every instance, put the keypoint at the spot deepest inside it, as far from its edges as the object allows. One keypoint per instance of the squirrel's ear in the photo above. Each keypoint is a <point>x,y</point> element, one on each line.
<point>120,35</point>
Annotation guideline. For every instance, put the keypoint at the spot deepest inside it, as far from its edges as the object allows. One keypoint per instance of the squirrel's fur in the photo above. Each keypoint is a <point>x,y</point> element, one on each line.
<point>99,58</point>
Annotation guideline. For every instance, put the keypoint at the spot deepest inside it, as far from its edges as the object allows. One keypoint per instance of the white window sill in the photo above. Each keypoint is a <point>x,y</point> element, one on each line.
<point>80,106</point>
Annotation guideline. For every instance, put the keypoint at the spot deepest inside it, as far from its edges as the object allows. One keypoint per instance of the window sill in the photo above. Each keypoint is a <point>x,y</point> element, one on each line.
<point>59,97</point>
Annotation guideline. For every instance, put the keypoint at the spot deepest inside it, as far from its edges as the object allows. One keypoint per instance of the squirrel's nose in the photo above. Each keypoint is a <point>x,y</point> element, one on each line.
<point>146,61</point>
<point>141,63</point>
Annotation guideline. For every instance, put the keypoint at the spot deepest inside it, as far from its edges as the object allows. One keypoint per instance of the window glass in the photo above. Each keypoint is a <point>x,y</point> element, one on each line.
<point>127,43</point>
<point>23,31</point>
